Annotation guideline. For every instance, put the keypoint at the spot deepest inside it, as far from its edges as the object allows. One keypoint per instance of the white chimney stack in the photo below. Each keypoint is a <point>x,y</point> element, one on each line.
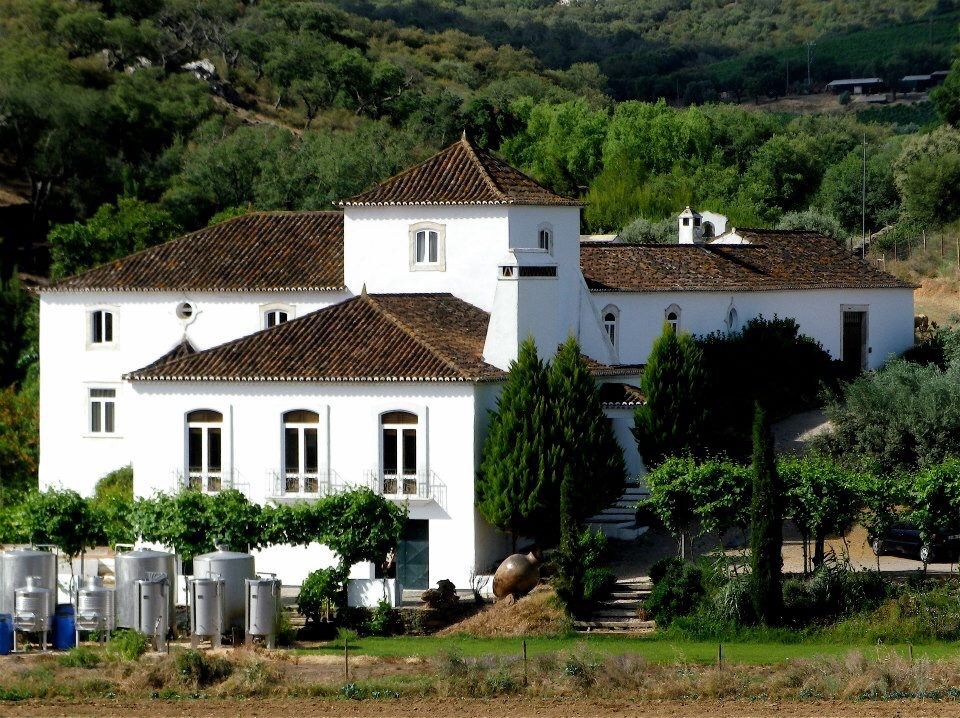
<point>525,304</point>
<point>691,231</point>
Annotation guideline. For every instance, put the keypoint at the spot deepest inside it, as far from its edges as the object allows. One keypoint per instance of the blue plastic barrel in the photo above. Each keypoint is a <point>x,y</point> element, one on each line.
<point>64,627</point>
<point>6,634</point>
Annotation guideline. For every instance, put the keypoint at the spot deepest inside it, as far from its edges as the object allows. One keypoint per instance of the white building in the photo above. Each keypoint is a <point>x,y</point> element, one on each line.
<point>292,354</point>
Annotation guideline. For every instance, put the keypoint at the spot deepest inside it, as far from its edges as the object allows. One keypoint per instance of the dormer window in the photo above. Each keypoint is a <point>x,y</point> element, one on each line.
<point>274,317</point>
<point>427,250</point>
<point>101,327</point>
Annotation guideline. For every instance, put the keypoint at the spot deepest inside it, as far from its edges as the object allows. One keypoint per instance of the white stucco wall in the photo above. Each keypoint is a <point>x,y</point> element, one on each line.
<point>350,447</point>
<point>818,312</point>
<point>145,327</point>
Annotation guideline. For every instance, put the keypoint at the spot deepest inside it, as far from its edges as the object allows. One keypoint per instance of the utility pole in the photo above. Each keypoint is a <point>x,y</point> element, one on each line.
<point>809,76</point>
<point>863,202</point>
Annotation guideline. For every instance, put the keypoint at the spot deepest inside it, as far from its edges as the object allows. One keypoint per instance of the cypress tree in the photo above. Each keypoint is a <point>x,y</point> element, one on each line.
<point>766,525</point>
<point>672,418</point>
<point>568,562</point>
<point>511,482</point>
<point>582,444</point>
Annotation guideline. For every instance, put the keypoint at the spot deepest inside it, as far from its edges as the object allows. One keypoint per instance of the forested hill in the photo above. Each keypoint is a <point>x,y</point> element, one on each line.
<point>653,48</point>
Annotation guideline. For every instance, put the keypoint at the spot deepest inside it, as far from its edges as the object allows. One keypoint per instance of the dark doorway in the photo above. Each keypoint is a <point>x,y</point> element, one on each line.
<point>855,340</point>
<point>413,555</point>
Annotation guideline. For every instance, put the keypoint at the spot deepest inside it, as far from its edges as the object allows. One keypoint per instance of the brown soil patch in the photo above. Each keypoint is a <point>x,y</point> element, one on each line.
<point>538,614</point>
<point>492,708</point>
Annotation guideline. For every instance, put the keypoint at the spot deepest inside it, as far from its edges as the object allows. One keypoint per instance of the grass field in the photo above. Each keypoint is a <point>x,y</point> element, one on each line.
<point>652,648</point>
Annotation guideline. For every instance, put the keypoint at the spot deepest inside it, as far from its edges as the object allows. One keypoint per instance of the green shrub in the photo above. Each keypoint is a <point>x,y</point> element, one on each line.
<point>733,604</point>
<point>844,98</point>
<point>384,620</point>
<point>318,592</point>
<point>663,566</point>
<point>200,669</point>
<point>81,657</point>
<point>127,645</point>
<point>598,582</point>
<point>677,593</point>
<point>346,637</point>
<point>901,417</point>
<point>118,483</point>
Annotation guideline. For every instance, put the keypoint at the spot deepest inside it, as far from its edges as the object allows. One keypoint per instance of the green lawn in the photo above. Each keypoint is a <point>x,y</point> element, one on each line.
<point>653,648</point>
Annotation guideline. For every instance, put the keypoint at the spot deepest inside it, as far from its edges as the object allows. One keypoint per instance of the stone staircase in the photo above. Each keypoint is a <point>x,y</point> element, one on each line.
<point>618,614</point>
<point>619,520</point>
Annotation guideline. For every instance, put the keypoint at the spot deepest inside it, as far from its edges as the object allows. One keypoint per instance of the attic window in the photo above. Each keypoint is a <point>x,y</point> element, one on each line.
<point>686,221</point>
<point>545,238</point>
<point>185,310</point>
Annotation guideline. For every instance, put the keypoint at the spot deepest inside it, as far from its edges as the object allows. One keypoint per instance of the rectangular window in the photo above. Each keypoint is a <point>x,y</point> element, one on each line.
<point>310,453</point>
<point>409,451</point>
<point>195,449</point>
<point>213,449</point>
<point>291,450</point>
<point>390,451</point>
<point>102,411</point>
<point>101,328</point>
<point>427,247</point>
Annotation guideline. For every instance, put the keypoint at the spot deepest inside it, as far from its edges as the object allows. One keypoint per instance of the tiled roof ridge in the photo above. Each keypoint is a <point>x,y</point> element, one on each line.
<point>183,238</point>
<point>412,333</point>
<point>402,173</point>
<point>484,172</point>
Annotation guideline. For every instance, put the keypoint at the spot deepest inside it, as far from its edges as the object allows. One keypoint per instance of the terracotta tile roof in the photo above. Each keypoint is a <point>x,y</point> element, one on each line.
<point>460,174</point>
<point>383,337</point>
<point>183,349</point>
<point>616,395</point>
<point>262,251</point>
<point>775,259</point>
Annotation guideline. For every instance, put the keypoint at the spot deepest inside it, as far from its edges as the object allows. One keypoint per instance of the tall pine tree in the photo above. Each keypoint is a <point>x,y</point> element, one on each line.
<point>766,525</point>
<point>511,484</point>
<point>582,441</point>
<point>673,415</point>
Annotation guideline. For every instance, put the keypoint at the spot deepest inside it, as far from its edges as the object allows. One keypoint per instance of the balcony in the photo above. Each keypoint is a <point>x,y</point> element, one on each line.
<point>423,486</point>
<point>294,486</point>
<point>208,482</point>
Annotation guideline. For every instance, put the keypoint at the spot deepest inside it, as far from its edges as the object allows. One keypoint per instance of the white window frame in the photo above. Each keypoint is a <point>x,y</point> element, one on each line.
<point>547,228</point>
<point>675,323</point>
<point>205,474</point>
<point>267,309</point>
<point>90,400</point>
<point>91,317</point>
<point>440,265</point>
<point>307,482</point>
<point>615,311</point>
<point>405,482</point>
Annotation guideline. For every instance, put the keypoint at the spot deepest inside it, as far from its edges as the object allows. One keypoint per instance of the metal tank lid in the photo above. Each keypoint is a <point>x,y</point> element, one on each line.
<point>223,553</point>
<point>144,553</point>
<point>27,551</point>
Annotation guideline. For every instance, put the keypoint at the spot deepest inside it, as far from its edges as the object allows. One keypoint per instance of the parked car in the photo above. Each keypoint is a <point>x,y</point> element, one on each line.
<point>903,539</point>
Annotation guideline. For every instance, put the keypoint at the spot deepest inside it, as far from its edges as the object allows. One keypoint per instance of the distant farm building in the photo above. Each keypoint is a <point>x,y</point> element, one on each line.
<point>856,85</point>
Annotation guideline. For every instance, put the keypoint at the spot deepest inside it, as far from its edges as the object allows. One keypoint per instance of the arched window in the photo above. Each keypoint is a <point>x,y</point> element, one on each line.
<point>732,321</point>
<point>708,230</point>
<point>205,450</point>
<point>611,318</point>
<point>672,317</point>
<point>545,238</point>
<point>427,251</point>
<point>301,455</point>
<point>398,452</point>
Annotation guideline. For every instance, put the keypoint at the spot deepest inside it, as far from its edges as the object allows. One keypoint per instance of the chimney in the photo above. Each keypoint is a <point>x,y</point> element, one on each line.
<point>691,231</point>
<point>525,304</point>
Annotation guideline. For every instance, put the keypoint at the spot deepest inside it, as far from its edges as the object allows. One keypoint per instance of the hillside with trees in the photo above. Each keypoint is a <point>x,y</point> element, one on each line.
<point>125,123</point>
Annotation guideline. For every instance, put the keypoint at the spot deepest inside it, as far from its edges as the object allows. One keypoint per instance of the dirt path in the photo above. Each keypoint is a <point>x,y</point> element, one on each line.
<point>499,708</point>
